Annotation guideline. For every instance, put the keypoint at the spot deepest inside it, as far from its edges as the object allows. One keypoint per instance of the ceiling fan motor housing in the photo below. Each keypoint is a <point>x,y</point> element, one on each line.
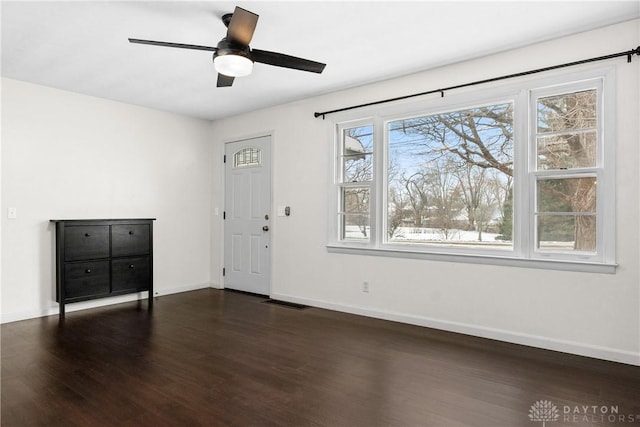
<point>226,47</point>
<point>226,19</point>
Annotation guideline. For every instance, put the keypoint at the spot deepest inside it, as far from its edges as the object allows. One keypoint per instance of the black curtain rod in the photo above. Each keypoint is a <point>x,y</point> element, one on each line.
<point>627,53</point>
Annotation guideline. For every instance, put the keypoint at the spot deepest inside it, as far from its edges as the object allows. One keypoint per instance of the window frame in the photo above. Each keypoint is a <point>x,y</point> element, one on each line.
<point>340,185</point>
<point>597,171</point>
<point>524,252</point>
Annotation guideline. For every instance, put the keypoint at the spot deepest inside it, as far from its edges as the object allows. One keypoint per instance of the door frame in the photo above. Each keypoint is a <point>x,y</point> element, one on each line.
<point>270,135</point>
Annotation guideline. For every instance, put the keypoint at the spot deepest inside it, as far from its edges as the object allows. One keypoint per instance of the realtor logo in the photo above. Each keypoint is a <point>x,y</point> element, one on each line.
<point>544,410</point>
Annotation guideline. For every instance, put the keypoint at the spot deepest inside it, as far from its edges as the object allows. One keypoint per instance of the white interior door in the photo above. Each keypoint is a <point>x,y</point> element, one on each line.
<point>247,214</point>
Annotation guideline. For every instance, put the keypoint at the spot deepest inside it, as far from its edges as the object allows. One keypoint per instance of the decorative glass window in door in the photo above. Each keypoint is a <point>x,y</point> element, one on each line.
<point>247,157</point>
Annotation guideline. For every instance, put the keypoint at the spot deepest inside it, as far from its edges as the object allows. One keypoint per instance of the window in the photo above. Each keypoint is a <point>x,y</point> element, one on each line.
<point>247,157</point>
<point>355,178</point>
<point>449,178</point>
<point>518,178</point>
<point>566,146</point>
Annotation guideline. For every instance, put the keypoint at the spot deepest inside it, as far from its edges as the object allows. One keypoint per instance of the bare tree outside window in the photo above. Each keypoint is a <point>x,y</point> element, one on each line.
<point>454,177</point>
<point>567,140</point>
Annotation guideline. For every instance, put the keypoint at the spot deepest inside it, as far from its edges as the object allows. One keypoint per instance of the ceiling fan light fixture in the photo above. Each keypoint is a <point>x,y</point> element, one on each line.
<point>233,64</point>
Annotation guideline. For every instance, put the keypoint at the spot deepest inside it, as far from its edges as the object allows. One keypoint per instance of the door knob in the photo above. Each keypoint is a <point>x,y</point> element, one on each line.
<point>265,228</point>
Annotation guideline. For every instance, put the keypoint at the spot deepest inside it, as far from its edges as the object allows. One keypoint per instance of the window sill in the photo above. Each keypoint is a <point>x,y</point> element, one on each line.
<point>562,265</point>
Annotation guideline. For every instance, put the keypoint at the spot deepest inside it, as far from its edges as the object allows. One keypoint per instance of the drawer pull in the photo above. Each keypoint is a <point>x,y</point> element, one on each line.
<point>131,266</point>
<point>87,235</point>
<point>88,271</point>
<point>130,233</point>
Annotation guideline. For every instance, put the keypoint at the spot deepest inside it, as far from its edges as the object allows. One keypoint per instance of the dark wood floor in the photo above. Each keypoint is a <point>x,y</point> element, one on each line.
<point>216,358</point>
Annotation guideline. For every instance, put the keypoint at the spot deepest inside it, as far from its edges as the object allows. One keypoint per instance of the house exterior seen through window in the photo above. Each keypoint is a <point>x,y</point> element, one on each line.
<point>356,174</point>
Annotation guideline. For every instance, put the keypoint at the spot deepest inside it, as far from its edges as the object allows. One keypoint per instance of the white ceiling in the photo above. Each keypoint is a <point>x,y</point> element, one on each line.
<point>81,46</point>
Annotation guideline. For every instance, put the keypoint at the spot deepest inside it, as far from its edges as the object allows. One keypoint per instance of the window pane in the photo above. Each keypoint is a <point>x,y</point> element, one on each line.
<point>357,158</point>
<point>358,168</point>
<point>355,200</point>
<point>450,178</point>
<point>247,157</point>
<point>567,138</point>
<point>355,227</point>
<point>567,233</point>
<point>567,195</point>
<point>567,151</point>
<point>570,111</point>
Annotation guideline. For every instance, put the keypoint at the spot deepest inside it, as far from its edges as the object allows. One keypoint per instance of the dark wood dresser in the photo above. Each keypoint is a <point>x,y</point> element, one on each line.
<point>97,258</point>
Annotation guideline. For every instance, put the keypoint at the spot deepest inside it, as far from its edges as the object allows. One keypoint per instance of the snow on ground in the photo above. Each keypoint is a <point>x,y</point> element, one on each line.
<point>413,234</point>
<point>451,237</point>
<point>437,235</point>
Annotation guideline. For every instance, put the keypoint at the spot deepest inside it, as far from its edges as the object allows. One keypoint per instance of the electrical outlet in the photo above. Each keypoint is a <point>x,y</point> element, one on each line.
<point>365,286</point>
<point>12,213</point>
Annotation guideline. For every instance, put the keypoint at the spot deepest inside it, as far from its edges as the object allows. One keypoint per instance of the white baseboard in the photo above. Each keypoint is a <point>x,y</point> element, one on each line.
<point>184,288</point>
<point>581,349</point>
<point>85,305</point>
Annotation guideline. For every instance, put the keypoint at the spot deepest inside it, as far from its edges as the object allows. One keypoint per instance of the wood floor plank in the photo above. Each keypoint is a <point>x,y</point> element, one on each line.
<point>215,358</point>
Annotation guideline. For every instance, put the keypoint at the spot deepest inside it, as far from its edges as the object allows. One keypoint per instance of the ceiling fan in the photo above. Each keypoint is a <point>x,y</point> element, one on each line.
<point>233,57</point>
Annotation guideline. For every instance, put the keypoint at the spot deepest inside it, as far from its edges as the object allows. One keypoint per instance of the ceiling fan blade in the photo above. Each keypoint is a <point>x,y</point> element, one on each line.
<point>286,61</point>
<point>224,81</point>
<point>242,25</point>
<point>178,45</point>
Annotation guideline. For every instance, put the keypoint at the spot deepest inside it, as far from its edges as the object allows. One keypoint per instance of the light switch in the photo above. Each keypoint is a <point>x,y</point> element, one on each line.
<point>12,213</point>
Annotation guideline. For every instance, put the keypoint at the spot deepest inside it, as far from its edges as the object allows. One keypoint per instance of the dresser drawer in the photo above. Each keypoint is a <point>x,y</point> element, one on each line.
<point>86,242</point>
<point>129,239</point>
<point>86,280</point>
<point>130,274</point>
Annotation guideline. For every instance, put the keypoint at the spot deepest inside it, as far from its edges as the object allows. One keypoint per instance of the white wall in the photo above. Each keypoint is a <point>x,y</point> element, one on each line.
<point>583,313</point>
<point>66,155</point>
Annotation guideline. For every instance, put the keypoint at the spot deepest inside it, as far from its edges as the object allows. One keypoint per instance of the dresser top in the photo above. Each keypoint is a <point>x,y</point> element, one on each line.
<point>111,221</point>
